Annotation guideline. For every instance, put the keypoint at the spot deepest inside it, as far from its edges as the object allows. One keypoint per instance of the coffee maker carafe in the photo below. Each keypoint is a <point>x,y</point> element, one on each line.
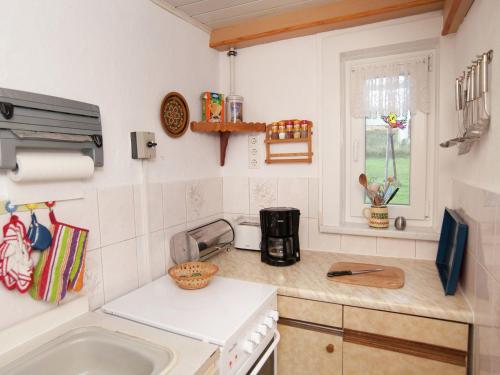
<point>280,236</point>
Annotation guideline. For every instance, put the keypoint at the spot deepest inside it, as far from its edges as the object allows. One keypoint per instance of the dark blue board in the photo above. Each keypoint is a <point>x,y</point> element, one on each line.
<point>451,250</point>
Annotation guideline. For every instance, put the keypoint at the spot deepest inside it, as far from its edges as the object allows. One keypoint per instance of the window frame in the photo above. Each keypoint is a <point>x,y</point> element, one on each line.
<point>353,158</point>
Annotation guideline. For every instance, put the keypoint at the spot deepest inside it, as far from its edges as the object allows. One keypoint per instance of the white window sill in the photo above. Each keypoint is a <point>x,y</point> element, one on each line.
<point>410,233</point>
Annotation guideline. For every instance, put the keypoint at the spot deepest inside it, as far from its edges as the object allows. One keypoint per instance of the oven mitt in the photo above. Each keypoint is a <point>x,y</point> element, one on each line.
<point>38,234</point>
<point>60,268</point>
<point>16,265</point>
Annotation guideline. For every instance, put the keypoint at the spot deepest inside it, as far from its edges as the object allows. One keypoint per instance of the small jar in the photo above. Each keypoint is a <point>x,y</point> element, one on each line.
<point>296,129</point>
<point>304,129</point>
<point>234,108</point>
<point>281,130</point>
<point>274,131</point>
<point>289,129</point>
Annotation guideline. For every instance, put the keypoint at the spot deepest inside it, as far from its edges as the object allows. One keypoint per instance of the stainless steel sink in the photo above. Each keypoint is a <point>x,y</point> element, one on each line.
<point>94,351</point>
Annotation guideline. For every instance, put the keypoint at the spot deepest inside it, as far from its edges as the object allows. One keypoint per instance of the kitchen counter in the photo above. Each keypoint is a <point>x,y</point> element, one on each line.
<point>421,295</point>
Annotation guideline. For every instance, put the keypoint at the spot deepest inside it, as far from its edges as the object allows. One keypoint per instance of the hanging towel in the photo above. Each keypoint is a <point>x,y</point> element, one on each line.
<point>63,265</point>
<point>16,265</point>
<point>39,235</point>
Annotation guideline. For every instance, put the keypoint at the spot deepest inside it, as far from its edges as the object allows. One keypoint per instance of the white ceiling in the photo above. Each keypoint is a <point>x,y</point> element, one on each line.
<point>212,14</point>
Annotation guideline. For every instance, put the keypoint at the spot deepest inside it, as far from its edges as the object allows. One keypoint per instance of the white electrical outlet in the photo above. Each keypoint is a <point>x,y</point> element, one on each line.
<point>253,152</point>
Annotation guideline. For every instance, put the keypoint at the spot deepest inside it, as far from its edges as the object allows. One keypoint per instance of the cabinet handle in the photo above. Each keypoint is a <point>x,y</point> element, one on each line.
<point>330,348</point>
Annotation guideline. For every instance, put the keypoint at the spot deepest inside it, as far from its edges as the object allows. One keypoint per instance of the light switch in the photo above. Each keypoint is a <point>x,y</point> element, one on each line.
<point>143,145</point>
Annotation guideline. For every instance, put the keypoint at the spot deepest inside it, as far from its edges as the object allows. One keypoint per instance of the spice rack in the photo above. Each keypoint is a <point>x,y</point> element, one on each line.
<point>225,129</point>
<point>288,157</point>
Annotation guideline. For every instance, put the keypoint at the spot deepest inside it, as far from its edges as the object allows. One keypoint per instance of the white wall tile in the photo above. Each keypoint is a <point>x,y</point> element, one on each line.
<point>213,196</point>
<point>203,198</point>
<point>93,285</point>
<point>143,260</point>
<point>157,254</point>
<point>392,247</point>
<point>313,198</point>
<point>358,244</point>
<point>174,203</point>
<point>263,194</point>
<point>82,213</point>
<point>322,241</point>
<point>116,214</point>
<point>155,207</point>
<point>426,250</point>
<point>467,277</point>
<point>203,221</point>
<point>138,210</point>
<point>119,267</point>
<point>294,192</point>
<point>236,197</point>
<point>304,233</point>
<point>169,232</point>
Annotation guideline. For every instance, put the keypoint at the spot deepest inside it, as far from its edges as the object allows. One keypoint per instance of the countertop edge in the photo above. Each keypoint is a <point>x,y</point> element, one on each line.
<point>424,312</point>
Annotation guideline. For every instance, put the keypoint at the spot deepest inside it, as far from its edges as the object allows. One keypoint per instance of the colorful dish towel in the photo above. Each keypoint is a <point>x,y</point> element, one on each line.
<point>62,267</point>
<point>16,265</point>
<point>38,234</point>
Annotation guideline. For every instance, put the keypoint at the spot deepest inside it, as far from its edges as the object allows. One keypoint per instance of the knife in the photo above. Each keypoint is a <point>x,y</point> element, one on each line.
<point>350,272</point>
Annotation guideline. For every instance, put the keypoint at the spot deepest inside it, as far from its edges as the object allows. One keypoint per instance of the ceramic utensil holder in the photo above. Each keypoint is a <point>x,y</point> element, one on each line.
<point>377,216</point>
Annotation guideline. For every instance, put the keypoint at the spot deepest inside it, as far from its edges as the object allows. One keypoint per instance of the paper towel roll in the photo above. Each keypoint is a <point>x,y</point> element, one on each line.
<point>51,166</point>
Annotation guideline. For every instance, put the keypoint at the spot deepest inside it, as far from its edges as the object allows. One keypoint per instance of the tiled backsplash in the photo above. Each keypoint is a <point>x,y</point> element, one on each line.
<point>480,279</point>
<point>244,196</point>
<point>120,257</point>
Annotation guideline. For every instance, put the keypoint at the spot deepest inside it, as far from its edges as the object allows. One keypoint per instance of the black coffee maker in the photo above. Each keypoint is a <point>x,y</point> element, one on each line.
<point>280,236</point>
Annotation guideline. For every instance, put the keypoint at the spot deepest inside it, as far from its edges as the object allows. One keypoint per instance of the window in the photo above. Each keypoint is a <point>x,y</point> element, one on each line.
<point>388,112</point>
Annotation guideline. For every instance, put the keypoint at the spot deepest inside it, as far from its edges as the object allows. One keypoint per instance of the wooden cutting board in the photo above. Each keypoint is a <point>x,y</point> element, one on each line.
<point>390,277</point>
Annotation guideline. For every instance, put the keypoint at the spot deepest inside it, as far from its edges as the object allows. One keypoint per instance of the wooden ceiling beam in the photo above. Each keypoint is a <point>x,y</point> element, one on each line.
<point>337,15</point>
<point>454,12</point>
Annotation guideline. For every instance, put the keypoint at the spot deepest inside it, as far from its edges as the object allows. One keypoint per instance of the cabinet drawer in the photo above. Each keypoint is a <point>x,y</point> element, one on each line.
<point>359,359</point>
<point>304,351</point>
<point>324,313</point>
<point>413,328</point>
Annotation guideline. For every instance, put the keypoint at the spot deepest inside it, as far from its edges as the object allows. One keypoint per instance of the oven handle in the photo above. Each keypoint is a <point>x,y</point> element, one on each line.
<point>267,354</point>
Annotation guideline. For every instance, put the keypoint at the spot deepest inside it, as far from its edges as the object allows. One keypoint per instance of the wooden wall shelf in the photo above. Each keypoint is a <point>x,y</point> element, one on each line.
<point>225,129</point>
<point>289,157</point>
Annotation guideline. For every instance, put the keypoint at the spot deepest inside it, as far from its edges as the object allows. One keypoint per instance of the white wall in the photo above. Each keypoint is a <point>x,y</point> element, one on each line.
<point>479,33</point>
<point>278,81</point>
<point>123,55</point>
<point>476,193</point>
<point>301,78</point>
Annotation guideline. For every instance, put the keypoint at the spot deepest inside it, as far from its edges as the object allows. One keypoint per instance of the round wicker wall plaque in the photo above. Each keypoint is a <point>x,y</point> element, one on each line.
<point>174,114</point>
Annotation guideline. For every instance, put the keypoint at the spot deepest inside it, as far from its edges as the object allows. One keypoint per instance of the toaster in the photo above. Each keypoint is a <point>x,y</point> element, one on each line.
<point>247,235</point>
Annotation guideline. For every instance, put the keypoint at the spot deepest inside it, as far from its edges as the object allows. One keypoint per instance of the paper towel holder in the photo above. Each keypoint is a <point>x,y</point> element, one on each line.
<point>36,121</point>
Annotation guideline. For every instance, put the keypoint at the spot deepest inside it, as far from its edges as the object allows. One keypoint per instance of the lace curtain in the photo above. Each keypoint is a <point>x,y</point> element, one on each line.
<point>398,87</point>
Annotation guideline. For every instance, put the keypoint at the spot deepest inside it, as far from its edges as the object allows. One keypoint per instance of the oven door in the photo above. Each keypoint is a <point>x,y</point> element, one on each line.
<point>267,363</point>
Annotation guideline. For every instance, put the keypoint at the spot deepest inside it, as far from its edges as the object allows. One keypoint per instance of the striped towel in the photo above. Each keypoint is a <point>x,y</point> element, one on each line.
<point>62,267</point>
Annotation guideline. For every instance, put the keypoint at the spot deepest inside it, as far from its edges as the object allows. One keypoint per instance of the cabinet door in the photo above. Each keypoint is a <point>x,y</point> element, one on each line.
<point>303,351</point>
<point>360,359</point>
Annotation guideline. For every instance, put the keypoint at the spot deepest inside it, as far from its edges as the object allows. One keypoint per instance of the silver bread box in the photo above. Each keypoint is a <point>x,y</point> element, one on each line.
<point>201,243</point>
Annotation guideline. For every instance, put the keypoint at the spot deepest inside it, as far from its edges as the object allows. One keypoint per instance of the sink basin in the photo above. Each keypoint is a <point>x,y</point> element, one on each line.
<point>94,351</point>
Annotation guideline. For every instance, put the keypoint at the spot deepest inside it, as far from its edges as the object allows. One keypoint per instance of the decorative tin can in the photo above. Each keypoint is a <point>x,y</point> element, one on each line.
<point>212,109</point>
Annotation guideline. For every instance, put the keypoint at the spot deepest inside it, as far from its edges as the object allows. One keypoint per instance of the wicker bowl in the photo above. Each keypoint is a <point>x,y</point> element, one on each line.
<point>193,275</point>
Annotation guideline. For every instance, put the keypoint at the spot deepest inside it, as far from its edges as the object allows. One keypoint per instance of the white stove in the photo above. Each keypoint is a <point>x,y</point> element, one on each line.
<point>238,316</point>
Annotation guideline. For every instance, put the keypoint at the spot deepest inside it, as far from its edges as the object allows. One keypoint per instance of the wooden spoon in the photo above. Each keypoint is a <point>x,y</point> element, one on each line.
<point>363,180</point>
